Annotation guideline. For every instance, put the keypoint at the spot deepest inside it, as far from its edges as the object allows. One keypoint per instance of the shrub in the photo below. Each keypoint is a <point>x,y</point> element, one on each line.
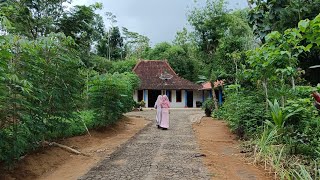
<point>244,111</point>
<point>208,107</point>
<point>142,103</point>
<point>40,88</point>
<point>110,96</point>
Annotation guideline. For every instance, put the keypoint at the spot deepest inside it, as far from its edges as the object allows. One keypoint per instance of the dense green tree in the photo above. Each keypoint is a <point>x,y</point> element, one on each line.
<point>209,22</point>
<point>178,57</point>
<point>134,43</point>
<point>185,39</point>
<point>220,33</point>
<point>237,39</point>
<point>267,16</point>
<point>33,18</point>
<point>111,45</point>
<point>159,51</point>
<point>40,87</point>
<point>83,25</point>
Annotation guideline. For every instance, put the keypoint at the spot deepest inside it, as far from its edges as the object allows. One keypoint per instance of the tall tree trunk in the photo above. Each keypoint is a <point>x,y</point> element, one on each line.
<point>282,89</point>
<point>109,53</point>
<point>87,93</point>
<point>214,97</point>
<point>236,66</point>
<point>265,86</point>
<point>293,83</point>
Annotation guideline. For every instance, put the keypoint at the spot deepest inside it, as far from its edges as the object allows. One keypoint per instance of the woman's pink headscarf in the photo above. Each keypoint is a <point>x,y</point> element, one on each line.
<point>165,102</point>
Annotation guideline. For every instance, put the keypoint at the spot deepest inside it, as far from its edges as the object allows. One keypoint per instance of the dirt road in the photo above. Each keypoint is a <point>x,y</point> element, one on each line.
<point>187,150</point>
<point>223,158</point>
<point>156,154</point>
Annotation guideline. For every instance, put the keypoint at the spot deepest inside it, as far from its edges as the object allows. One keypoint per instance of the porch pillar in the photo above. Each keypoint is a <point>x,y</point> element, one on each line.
<point>210,93</point>
<point>203,96</point>
<point>145,97</point>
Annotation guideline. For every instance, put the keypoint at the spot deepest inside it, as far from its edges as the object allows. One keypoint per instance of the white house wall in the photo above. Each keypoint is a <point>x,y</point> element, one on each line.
<point>135,95</point>
<point>174,103</point>
<point>144,97</point>
<point>197,96</point>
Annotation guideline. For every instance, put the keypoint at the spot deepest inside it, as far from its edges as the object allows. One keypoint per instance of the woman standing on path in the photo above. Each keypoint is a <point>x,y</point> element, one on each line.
<point>157,105</point>
<point>165,105</point>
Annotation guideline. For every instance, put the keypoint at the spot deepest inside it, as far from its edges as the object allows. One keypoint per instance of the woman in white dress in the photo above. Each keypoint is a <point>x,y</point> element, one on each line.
<point>157,105</point>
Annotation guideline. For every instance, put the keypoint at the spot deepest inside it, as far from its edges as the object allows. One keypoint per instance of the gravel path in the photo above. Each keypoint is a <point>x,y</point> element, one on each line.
<point>156,154</point>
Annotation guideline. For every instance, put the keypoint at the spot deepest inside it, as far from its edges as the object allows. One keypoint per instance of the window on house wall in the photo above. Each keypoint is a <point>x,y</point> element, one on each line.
<point>140,95</point>
<point>178,96</point>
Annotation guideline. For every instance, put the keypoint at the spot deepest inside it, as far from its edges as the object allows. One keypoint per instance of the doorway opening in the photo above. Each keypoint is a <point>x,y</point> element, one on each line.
<point>189,98</point>
<point>152,97</point>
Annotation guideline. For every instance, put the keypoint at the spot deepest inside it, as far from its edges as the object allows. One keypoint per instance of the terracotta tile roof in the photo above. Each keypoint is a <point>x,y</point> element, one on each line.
<point>206,86</point>
<point>149,72</point>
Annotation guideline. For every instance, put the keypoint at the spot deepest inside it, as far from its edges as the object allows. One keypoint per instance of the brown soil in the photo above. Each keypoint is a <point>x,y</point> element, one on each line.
<point>223,158</point>
<point>55,163</point>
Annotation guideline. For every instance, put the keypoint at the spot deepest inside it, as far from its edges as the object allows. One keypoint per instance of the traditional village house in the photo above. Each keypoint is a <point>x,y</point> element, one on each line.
<point>157,77</point>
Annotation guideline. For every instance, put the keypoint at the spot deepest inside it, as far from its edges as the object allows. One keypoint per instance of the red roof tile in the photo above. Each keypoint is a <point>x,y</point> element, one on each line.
<point>206,86</point>
<point>149,72</point>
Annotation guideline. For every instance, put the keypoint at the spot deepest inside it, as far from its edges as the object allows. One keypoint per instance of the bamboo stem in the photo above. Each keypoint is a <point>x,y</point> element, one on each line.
<point>64,147</point>
<point>265,86</point>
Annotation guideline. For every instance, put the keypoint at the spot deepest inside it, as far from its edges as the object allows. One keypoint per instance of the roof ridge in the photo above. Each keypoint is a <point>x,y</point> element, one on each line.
<point>135,67</point>
<point>162,60</point>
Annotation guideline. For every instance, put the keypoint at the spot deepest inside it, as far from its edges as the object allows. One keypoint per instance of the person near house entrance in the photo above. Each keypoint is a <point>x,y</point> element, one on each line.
<point>165,105</point>
<point>157,106</point>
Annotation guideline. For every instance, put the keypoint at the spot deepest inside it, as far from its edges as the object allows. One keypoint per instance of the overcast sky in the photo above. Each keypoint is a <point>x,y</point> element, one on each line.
<point>157,19</point>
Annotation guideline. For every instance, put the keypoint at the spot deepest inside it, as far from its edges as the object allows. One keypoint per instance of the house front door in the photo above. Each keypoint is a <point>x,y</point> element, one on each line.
<point>152,97</point>
<point>189,98</point>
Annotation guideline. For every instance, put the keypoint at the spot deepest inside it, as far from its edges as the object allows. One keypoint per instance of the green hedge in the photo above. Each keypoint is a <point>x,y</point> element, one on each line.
<point>46,94</point>
<point>110,96</point>
<point>40,88</point>
<point>244,111</point>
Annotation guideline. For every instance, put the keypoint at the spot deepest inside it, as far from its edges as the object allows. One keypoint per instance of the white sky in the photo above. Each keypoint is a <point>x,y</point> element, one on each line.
<point>157,19</point>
